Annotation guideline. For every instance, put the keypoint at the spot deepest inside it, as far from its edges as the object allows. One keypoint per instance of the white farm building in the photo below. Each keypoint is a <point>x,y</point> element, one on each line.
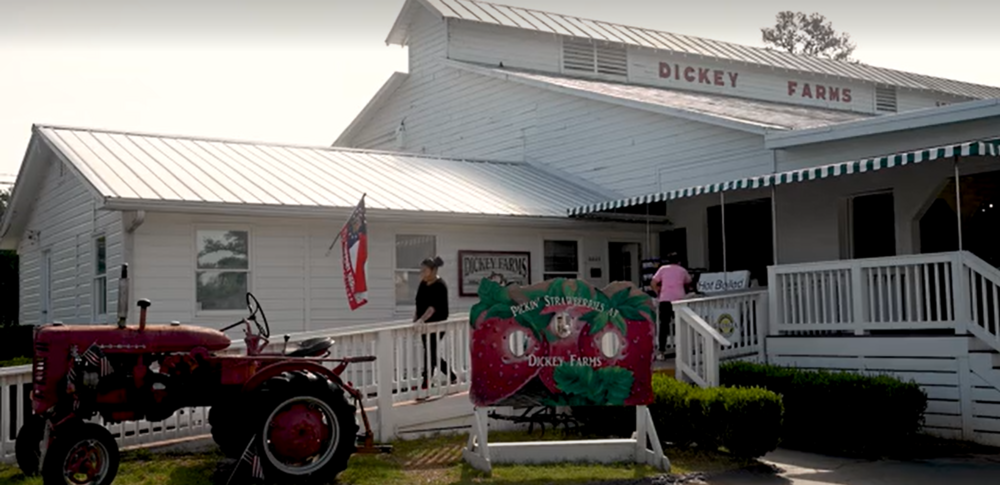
<point>862,200</point>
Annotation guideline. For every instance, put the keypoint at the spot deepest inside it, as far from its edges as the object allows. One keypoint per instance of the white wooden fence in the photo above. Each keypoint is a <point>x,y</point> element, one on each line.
<point>712,329</point>
<point>956,291</point>
<point>394,378</point>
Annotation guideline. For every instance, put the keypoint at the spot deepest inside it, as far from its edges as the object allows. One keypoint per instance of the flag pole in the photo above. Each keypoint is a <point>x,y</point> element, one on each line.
<point>341,231</point>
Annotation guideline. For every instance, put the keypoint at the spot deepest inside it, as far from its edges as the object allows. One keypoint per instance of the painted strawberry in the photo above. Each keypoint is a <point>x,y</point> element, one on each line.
<point>563,347</point>
<point>497,372</point>
<point>635,353</point>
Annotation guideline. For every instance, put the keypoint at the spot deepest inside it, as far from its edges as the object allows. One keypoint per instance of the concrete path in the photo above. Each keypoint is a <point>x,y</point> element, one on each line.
<point>808,469</point>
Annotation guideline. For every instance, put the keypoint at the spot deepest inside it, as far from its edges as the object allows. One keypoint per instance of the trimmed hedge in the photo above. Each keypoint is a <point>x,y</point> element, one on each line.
<point>837,412</point>
<point>746,421</point>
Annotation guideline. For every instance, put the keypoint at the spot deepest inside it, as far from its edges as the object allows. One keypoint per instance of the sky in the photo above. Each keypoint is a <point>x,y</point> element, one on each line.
<point>298,71</point>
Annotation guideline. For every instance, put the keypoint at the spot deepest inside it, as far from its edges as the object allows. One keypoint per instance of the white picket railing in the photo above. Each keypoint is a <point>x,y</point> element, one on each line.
<point>982,282</point>
<point>862,295</point>
<point>701,343</point>
<point>394,377</point>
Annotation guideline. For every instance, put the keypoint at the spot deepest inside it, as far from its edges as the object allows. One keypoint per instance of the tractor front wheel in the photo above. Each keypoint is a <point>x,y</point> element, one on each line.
<point>306,428</point>
<point>27,447</point>
<point>81,453</point>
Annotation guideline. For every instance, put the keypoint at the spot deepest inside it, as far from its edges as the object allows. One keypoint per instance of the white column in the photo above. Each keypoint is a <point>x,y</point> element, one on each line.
<point>958,204</point>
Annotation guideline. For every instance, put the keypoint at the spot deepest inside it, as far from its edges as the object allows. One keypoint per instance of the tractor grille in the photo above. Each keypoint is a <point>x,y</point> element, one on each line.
<point>38,368</point>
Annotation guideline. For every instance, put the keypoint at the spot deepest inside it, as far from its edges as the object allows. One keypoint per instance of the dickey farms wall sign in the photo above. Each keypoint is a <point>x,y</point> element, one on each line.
<point>562,343</point>
<point>504,268</point>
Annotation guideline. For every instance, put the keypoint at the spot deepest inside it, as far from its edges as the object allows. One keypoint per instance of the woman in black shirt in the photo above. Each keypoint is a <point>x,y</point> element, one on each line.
<point>432,306</point>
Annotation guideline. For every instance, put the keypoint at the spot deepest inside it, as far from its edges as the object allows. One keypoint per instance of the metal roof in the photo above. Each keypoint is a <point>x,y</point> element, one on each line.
<point>566,25</point>
<point>157,168</point>
<point>763,114</point>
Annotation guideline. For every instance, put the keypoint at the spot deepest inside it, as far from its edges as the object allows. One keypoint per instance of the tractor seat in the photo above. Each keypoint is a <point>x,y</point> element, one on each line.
<point>311,347</point>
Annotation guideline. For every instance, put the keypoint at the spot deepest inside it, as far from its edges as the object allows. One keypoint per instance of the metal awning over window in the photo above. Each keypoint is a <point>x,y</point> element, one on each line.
<point>968,149</point>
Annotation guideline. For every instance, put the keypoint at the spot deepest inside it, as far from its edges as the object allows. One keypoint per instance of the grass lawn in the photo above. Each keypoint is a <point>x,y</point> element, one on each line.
<point>435,461</point>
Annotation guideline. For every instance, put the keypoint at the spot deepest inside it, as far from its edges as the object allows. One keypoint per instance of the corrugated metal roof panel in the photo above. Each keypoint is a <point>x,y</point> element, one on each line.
<point>474,10</point>
<point>146,167</point>
<point>762,113</point>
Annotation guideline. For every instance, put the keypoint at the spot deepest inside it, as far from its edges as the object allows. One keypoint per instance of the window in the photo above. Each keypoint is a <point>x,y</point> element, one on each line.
<point>222,270</point>
<point>584,55</point>
<point>411,250</point>
<point>100,276</point>
<point>561,260</point>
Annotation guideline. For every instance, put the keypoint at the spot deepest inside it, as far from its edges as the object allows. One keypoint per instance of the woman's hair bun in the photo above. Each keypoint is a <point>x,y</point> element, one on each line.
<point>438,262</point>
<point>435,263</point>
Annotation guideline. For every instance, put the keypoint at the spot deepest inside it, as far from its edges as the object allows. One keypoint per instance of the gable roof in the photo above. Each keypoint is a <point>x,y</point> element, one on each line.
<point>133,171</point>
<point>570,26</point>
<point>728,111</point>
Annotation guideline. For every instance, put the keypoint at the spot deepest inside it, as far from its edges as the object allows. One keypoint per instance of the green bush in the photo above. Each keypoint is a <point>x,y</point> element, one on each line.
<point>746,421</point>
<point>15,362</point>
<point>837,412</point>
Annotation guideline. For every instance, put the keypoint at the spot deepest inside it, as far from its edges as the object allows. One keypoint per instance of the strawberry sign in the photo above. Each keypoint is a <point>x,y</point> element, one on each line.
<point>562,343</point>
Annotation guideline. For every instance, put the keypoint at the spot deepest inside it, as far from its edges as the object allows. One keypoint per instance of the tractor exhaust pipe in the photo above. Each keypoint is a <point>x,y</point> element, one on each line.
<point>123,296</point>
<point>143,306</point>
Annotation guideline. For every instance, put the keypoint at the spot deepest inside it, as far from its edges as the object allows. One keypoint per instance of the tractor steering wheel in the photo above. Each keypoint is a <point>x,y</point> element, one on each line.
<point>254,307</point>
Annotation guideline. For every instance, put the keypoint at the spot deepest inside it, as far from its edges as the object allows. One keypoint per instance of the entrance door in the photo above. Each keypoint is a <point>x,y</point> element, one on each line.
<point>623,262</point>
<point>872,225</point>
<point>45,288</point>
<point>749,239</point>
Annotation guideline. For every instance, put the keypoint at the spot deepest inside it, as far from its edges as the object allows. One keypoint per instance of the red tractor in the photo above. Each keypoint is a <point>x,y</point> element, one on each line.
<point>296,416</point>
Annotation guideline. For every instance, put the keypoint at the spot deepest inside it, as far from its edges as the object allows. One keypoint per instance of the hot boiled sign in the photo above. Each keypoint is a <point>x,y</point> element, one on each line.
<point>562,343</point>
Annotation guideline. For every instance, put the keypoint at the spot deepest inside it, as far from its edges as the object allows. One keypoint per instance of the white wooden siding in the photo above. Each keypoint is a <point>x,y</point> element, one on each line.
<point>307,293</point>
<point>67,221</point>
<point>909,100</point>
<point>883,144</point>
<point>940,365</point>
<point>428,42</point>
<point>625,150</point>
<point>493,44</point>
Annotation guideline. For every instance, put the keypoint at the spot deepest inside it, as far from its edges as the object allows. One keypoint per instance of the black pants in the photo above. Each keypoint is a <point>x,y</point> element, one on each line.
<point>435,361</point>
<point>666,328</point>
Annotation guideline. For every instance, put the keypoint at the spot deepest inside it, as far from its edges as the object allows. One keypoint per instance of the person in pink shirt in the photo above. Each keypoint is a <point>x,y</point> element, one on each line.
<point>670,284</point>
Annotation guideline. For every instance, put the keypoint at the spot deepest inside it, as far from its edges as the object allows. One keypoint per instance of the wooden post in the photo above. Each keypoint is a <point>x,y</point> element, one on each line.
<point>857,297</point>
<point>774,299</point>
<point>761,310</point>
<point>961,293</point>
<point>680,346</point>
<point>385,365</point>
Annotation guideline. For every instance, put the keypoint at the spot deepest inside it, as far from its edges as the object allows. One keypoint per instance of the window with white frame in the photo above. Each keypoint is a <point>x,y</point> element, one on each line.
<point>100,276</point>
<point>562,260</point>
<point>222,270</point>
<point>411,250</point>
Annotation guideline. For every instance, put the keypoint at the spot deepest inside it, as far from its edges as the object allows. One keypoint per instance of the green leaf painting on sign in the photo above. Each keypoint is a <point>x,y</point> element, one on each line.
<point>492,297</point>
<point>584,385</point>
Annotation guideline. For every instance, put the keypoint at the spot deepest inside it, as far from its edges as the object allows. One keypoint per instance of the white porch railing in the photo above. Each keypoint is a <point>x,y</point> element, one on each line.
<point>395,377</point>
<point>700,342</point>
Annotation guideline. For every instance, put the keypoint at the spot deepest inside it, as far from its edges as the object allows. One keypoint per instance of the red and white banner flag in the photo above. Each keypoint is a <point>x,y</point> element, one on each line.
<point>354,248</point>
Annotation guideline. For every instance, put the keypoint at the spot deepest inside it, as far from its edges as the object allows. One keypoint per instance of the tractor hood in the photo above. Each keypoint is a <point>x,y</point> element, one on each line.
<point>114,340</point>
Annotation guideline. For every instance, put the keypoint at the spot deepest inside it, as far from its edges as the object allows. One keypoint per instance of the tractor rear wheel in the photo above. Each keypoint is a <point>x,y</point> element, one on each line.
<point>305,428</point>
<point>229,429</point>
<point>81,452</point>
<point>27,447</point>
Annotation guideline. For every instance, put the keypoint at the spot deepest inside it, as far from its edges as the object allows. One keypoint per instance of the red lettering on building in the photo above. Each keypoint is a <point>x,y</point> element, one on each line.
<point>819,91</point>
<point>700,75</point>
<point>689,74</point>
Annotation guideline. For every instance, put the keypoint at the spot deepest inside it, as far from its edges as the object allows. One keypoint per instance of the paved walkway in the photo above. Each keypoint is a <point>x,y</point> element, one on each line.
<point>808,469</point>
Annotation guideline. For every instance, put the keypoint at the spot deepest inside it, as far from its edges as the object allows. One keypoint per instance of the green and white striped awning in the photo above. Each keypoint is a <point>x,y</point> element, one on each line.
<point>968,149</point>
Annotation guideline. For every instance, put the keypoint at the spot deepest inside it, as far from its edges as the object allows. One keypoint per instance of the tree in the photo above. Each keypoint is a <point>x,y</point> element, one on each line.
<point>812,35</point>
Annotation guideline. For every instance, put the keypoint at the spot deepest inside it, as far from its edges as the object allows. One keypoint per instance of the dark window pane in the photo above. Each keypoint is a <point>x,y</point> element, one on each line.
<point>411,250</point>
<point>101,264</point>
<point>561,256</point>
<point>221,290</point>
<point>223,250</point>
